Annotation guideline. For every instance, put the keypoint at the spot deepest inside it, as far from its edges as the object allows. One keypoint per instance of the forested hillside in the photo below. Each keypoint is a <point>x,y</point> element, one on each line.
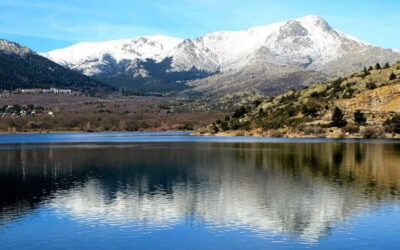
<point>22,68</point>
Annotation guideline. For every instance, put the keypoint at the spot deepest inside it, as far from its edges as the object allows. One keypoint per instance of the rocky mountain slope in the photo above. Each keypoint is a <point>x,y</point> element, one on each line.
<point>20,67</point>
<point>270,59</point>
<point>364,104</point>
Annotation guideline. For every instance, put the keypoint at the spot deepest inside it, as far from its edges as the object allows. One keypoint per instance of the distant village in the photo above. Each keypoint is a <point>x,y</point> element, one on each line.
<point>57,91</point>
<point>44,91</point>
<point>23,110</point>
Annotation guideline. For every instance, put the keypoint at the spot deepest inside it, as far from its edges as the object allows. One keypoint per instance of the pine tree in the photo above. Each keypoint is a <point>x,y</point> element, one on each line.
<point>377,66</point>
<point>359,117</point>
<point>338,118</point>
<point>370,68</point>
<point>392,77</point>
<point>240,112</point>
<point>366,72</point>
<point>386,66</point>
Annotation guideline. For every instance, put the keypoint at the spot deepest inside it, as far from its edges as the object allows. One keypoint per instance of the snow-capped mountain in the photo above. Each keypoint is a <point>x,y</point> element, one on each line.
<point>307,48</point>
<point>87,57</point>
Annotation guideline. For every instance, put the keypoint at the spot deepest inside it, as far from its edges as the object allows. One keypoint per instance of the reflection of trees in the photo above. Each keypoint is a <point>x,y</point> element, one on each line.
<point>352,165</point>
<point>284,188</point>
<point>29,177</point>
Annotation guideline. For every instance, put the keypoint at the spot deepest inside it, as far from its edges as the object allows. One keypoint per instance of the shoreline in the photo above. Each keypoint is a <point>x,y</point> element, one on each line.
<point>83,132</point>
<point>232,133</point>
<point>337,134</point>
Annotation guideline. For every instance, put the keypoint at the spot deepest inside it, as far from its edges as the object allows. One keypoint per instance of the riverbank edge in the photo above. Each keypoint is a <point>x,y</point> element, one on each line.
<point>83,132</point>
<point>336,133</point>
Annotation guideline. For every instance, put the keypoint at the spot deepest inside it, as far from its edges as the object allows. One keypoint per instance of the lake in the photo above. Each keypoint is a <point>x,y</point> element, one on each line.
<point>175,191</point>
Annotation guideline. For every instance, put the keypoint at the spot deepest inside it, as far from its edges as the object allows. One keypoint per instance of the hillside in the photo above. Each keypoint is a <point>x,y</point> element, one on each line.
<point>364,104</point>
<point>20,67</point>
<point>269,59</point>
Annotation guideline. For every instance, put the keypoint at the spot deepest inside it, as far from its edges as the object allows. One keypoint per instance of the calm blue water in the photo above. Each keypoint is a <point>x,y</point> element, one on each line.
<point>175,191</point>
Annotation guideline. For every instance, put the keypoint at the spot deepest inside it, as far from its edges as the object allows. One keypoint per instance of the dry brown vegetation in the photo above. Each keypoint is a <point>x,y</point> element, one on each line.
<point>81,113</point>
<point>365,104</point>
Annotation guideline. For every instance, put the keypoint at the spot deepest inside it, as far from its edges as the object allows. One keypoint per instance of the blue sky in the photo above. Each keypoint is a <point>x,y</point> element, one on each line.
<point>44,25</point>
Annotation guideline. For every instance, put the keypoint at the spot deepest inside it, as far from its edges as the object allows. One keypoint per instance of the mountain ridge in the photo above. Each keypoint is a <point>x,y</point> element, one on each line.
<point>308,42</point>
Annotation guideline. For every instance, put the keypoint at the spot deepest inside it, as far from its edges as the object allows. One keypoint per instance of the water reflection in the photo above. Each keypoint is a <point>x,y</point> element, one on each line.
<point>298,190</point>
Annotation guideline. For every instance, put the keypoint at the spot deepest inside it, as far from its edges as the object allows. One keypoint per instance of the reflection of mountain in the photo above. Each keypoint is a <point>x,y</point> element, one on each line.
<point>301,189</point>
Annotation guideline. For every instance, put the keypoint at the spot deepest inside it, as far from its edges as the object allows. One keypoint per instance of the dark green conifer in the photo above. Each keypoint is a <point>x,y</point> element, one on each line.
<point>359,117</point>
<point>338,118</point>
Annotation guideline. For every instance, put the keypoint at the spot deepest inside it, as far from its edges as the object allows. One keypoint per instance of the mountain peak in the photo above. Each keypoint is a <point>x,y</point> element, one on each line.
<point>313,21</point>
<point>13,48</point>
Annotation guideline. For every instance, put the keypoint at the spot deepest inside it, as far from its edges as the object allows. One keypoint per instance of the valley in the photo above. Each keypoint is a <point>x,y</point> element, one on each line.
<point>163,83</point>
<point>80,113</point>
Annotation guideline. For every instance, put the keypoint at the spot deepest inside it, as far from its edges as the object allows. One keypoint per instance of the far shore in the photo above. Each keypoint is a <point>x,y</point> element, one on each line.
<point>81,132</point>
<point>233,133</point>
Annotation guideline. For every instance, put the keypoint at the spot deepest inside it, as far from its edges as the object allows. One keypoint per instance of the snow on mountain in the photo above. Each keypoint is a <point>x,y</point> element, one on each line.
<point>308,42</point>
<point>78,56</point>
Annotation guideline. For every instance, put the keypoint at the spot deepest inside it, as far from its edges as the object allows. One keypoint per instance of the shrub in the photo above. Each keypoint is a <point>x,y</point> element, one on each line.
<point>314,130</point>
<point>289,111</point>
<point>371,85</point>
<point>240,112</point>
<point>223,125</point>
<point>316,94</point>
<point>392,77</point>
<point>273,123</point>
<point>393,124</point>
<point>202,130</point>
<point>372,133</point>
<point>351,128</point>
<point>377,66</point>
<point>274,133</point>
<point>257,102</point>
<point>214,128</point>
<point>239,133</point>
<point>337,81</point>
<point>359,117</point>
<point>186,127</point>
<point>310,110</point>
<point>349,93</point>
<point>338,118</point>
